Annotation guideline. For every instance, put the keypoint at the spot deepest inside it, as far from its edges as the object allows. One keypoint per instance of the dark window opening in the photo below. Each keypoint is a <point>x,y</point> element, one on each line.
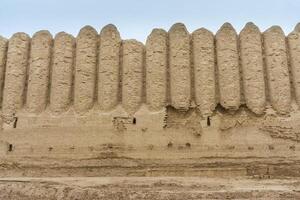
<point>208,121</point>
<point>10,147</point>
<point>134,121</point>
<point>188,145</point>
<point>15,122</point>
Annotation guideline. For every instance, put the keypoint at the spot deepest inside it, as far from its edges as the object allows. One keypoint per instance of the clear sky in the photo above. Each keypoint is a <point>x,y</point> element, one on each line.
<point>136,18</point>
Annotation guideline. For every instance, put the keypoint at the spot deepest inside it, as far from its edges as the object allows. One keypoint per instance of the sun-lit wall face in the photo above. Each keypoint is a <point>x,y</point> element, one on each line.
<point>98,72</point>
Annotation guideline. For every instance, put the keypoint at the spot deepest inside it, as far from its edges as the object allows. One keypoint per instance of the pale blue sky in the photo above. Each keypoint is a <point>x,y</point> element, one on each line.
<point>136,18</point>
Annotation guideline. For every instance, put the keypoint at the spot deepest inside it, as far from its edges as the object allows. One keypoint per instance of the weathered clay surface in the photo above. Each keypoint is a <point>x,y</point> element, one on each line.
<point>3,53</point>
<point>189,105</point>
<point>15,75</point>
<point>204,71</point>
<point>62,72</point>
<point>85,69</point>
<point>39,70</point>
<point>156,69</point>
<point>228,67</point>
<point>176,68</point>
<point>294,50</point>
<point>179,67</point>
<point>277,69</point>
<point>109,68</point>
<point>252,68</point>
<point>132,75</point>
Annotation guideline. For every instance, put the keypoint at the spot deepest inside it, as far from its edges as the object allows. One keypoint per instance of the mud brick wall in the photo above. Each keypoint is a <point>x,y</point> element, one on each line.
<point>99,71</point>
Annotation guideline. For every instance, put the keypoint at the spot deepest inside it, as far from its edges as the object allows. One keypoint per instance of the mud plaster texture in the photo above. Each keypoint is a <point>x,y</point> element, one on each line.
<point>204,70</point>
<point>15,73</point>
<point>228,67</point>
<point>156,69</point>
<point>222,108</point>
<point>85,69</point>
<point>109,68</point>
<point>39,70</point>
<point>62,72</point>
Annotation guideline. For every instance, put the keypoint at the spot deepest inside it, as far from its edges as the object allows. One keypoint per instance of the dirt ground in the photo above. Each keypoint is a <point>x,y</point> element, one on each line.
<point>118,188</point>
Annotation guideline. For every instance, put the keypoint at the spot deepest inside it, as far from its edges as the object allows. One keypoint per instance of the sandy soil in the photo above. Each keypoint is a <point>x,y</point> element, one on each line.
<point>147,188</point>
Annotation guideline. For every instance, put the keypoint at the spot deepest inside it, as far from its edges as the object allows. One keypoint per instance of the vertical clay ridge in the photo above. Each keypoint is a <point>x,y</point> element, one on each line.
<point>85,69</point>
<point>204,70</point>
<point>15,74</point>
<point>252,68</point>
<point>156,69</point>
<point>294,55</point>
<point>39,70</point>
<point>277,69</point>
<point>179,63</point>
<point>62,72</point>
<point>132,75</point>
<point>228,67</point>
<point>108,67</point>
<point>3,53</point>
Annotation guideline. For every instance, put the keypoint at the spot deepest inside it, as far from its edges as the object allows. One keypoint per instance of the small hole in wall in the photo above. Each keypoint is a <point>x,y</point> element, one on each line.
<point>188,145</point>
<point>293,148</point>
<point>170,144</point>
<point>134,121</point>
<point>10,147</point>
<point>271,147</point>
<point>15,122</point>
<point>250,148</point>
<point>208,121</point>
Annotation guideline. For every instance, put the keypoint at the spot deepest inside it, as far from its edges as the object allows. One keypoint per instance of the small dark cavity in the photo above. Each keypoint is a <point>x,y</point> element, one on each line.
<point>10,147</point>
<point>15,122</point>
<point>208,121</point>
<point>293,148</point>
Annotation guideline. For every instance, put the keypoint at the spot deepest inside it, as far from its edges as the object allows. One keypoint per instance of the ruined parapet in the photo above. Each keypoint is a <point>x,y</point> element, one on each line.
<point>277,69</point>
<point>15,76</point>
<point>204,70</point>
<point>132,75</point>
<point>156,69</point>
<point>228,67</point>
<point>109,68</point>
<point>39,70</point>
<point>62,72</point>
<point>252,68</point>
<point>99,75</point>
<point>85,69</point>
<point>179,67</point>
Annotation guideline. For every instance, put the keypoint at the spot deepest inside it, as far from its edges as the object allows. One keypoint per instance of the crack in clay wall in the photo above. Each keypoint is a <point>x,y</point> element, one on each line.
<point>103,72</point>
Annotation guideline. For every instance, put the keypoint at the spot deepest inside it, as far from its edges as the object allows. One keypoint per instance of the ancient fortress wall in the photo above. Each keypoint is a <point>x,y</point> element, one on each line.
<point>100,71</point>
